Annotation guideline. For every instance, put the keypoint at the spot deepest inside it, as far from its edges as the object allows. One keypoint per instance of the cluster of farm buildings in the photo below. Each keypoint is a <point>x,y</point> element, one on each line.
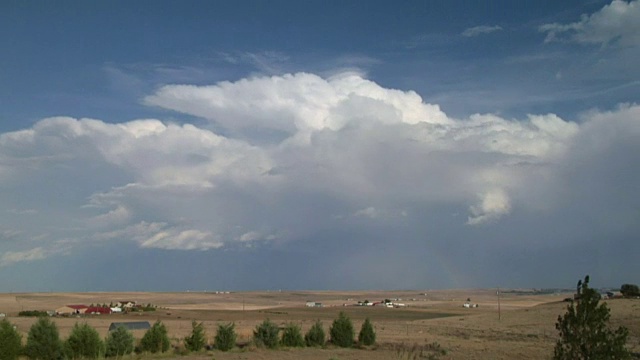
<point>117,307</point>
<point>393,303</point>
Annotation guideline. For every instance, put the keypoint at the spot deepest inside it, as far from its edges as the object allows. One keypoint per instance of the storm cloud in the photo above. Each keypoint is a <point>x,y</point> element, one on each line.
<point>305,164</point>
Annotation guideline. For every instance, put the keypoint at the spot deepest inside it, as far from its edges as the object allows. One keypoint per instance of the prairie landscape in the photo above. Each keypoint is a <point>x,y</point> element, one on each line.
<point>522,329</point>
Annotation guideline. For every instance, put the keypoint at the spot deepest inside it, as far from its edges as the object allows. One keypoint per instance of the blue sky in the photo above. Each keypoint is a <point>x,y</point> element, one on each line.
<point>318,144</point>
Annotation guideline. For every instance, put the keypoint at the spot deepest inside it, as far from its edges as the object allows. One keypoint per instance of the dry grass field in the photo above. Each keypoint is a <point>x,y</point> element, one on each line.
<point>525,329</point>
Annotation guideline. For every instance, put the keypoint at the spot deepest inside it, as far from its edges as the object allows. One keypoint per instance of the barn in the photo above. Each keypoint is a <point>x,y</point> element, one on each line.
<point>130,325</point>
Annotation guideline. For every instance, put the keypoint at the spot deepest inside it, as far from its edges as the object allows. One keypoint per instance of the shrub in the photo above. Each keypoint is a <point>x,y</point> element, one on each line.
<point>342,333</point>
<point>33,313</point>
<point>266,334</point>
<point>195,341</point>
<point>147,307</point>
<point>10,341</point>
<point>292,336</point>
<point>83,342</point>
<point>43,341</point>
<point>119,342</point>
<point>583,329</point>
<point>431,351</point>
<point>225,338</point>
<point>367,335</point>
<point>155,339</point>
<point>315,336</point>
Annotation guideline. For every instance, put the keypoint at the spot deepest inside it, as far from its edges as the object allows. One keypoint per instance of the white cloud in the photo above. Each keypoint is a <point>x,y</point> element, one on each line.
<point>370,212</point>
<point>163,236</point>
<point>9,234</point>
<point>116,216</point>
<point>296,103</point>
<point>493,205</point>
<point>12,257</point>
<point>182,240</point>
<point>250,236</point>
<point>481,30</point>
<point>344,142</point>
<point>617,22</point>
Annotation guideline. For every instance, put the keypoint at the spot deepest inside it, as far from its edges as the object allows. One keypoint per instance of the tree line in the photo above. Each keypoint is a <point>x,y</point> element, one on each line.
<point>84,342</point>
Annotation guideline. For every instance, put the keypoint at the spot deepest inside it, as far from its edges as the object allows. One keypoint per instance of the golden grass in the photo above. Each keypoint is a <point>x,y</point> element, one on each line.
<point>525,331</point>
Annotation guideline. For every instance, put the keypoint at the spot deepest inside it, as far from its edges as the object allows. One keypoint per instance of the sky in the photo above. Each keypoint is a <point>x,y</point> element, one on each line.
<point>291,145</point>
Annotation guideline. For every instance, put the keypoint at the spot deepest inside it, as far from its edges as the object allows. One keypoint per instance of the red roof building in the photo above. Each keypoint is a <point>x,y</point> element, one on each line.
<point>97,310</point>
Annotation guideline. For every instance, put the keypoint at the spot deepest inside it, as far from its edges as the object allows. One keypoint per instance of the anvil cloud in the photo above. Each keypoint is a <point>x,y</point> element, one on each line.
<point>344,142</point>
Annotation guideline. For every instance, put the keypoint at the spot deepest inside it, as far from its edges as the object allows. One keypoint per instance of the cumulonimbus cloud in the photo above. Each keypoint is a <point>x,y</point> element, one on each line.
<point>343,144</point>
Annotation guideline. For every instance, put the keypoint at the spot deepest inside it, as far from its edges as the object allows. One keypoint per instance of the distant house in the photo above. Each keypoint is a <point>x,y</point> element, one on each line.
<point>313,304</point>
<point>97,310</point>
<point>71,309</point>
<point>125,304</point>
<point>130,325</point>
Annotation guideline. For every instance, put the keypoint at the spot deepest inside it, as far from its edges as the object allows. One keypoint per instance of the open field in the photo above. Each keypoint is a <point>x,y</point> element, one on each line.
<point>524,331</point>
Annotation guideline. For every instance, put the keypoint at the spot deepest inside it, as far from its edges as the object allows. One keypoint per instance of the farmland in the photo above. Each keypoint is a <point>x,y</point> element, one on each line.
<point>524,327</point>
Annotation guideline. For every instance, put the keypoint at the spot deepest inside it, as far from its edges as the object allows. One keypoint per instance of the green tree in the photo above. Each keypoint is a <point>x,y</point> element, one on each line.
<point>155,339</point>
<point>367,335</point>
<point>225,338</point>
<point>83,343</point>
<point>43,341</point>
<point>197,339</point>
<point>119,342</point>
<point>292,336</point>
<point>341,331</point>
<point>10,341</point>
<point>315,336</point>
<point>583,329</point>
<point>266,334</point>
<point>630,290</point>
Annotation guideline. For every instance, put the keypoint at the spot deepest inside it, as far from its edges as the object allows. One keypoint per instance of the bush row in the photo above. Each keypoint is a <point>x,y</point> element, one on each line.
<point>341,332</point>
<point>84,342</point>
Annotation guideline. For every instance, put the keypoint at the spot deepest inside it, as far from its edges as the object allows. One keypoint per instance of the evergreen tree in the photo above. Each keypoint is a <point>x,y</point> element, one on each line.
<point>583,329</point>
<point>225,338</point>
<point>119,342</point>
<point>10,341</point>
<point>83,343</point>
<point>315,336</point>
<point>292,336</point>
<point>367,335</point>
<point>43,341</point>
<point>342,332</point>
<point>197,339</point>
<point>266,334</point>
<point>155,339</point>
